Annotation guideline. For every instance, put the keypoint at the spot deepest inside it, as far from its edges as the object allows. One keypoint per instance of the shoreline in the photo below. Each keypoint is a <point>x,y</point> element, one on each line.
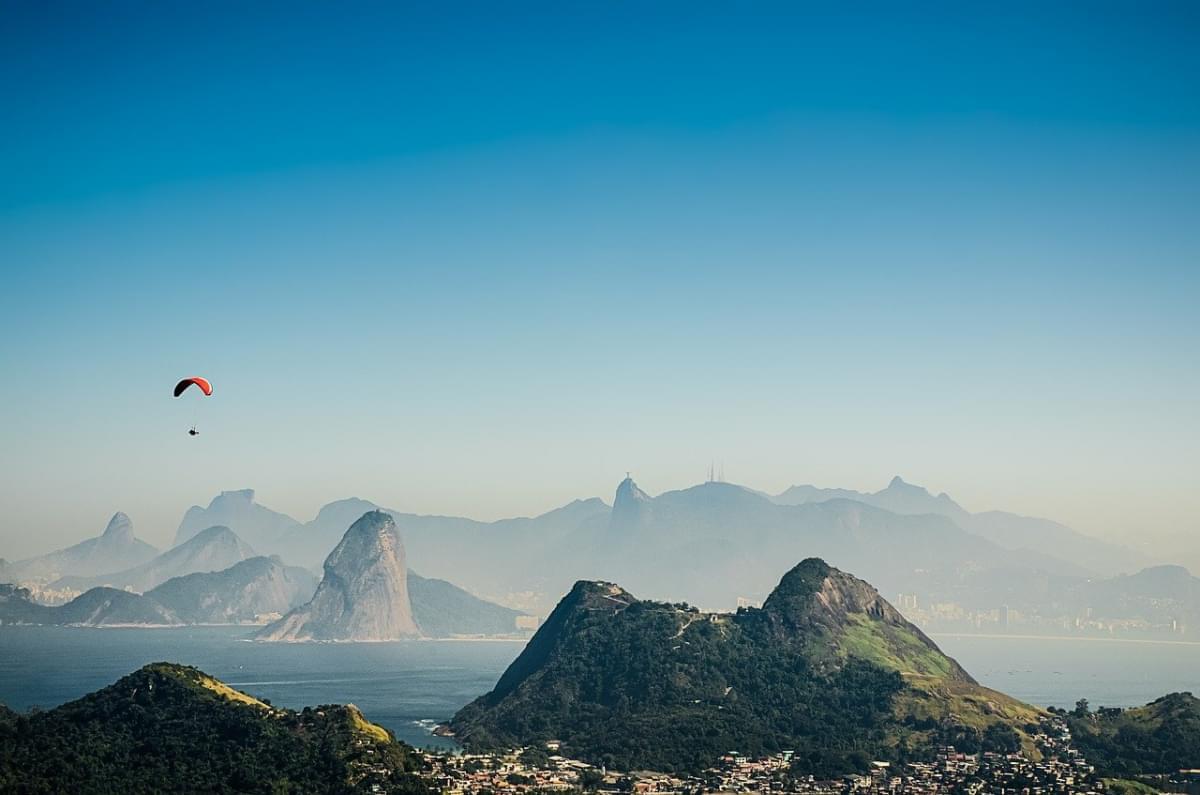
<point>1084,638</point>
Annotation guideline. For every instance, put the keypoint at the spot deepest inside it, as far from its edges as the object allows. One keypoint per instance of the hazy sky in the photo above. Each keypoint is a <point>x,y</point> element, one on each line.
<point>484,258</point>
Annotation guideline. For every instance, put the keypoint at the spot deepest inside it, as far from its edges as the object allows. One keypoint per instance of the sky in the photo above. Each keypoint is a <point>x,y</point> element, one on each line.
<point>482,259</point>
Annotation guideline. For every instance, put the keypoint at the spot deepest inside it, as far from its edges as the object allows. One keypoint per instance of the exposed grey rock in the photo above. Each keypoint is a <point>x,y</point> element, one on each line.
<point>363,595</point>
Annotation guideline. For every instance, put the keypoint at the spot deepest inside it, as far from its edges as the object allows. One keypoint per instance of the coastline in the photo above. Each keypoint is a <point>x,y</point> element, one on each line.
<point>1085,638</point>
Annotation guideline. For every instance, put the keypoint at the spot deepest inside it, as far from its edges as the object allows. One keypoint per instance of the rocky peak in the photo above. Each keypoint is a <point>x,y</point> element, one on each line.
<point>899,484</point>
<point>364,593</point>
<point>590,594</point>
<point>217,534</point>
<point>815,601</point>
<point>119,529</point>
<point>628,502</point>
<point>815,593</point>
<point>372,539</point>
<point>231,498</point>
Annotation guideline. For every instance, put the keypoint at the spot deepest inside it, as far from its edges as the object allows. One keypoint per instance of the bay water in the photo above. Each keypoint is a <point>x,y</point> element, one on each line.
<point>410,686</point>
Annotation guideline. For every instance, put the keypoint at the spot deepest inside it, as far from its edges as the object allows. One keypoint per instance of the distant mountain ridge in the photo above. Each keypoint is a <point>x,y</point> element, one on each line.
<point>721,542</point>
<point>258,525</point>
<point>239,594</point>
<point>826,667</point>
<point>442,610</point>
<point>212,549</point>
<point>1008,530</point>
<point>115,548</point>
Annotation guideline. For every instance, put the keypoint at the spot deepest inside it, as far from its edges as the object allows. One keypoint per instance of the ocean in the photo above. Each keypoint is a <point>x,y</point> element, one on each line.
<point>411,686</point>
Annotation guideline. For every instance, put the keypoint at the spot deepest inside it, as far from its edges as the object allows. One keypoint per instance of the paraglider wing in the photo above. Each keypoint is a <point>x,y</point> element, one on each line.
<point>203,383</point>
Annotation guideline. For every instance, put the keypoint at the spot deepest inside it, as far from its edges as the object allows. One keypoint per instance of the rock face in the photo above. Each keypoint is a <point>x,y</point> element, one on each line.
<point>826,665</point>
<point>116,548</point>
<point>628,504</point>
<point>363,595</point>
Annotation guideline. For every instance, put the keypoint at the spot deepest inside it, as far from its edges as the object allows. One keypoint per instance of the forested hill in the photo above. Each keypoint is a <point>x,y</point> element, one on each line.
<point>826,668</point>
<point>172,728</point>
<point>1161,737</point>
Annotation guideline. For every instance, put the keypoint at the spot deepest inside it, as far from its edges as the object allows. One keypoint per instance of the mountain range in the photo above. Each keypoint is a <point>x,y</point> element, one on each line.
<point>721,542</point>
<point>826,668</point>
<point>1008,530</point>
<point>115,548</point>
<point>378,597</point>
<point>258,525</point>
<point>242,593</point>
<point>368,594</point>
<point>212,549</point>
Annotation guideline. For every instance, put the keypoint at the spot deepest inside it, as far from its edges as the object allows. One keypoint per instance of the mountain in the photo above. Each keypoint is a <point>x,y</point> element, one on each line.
<point>443,610</point>
<point>172,728</point>
<point>309,544</point>
<point>255,587</point>
<point>716,542</point>
<point>722,542</point>
<point>213,549</point>
<point>1008,530</point>
<point>363,595</point>
<point>261,527</point>
<point>96,606</point>
<point>826,668</point>
<point>116,548</point>
<point>1161,737</point>
<point>484,554</point>
<point>242,593</point>
<point>1164,595</point>
<point>628,503</point>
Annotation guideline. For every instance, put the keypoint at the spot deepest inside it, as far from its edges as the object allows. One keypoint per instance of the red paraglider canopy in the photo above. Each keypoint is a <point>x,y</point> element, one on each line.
<point>203,383</point>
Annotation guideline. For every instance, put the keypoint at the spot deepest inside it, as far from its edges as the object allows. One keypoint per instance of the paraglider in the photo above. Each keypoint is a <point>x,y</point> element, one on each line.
<point>202,384</point>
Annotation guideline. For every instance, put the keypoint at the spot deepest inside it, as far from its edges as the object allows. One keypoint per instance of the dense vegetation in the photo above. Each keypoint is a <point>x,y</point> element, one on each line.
<point>170,728</point>
<point>1161,737</point>
<point>644,685</point>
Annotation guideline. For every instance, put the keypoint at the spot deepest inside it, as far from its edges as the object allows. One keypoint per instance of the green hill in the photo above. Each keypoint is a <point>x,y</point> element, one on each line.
<point>172,728</point>
<point>826,668</point>
<point>1161,737</point>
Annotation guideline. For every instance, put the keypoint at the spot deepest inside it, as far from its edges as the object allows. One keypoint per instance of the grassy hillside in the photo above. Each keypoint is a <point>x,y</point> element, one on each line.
<point>171,728</point>
<point>826,668</point>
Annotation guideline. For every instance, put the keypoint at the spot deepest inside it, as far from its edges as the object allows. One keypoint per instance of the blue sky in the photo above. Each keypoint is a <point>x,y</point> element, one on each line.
<point>475,259</point>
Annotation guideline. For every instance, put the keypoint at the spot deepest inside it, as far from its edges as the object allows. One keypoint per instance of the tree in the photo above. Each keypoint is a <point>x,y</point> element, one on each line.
<point>590,780</point>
